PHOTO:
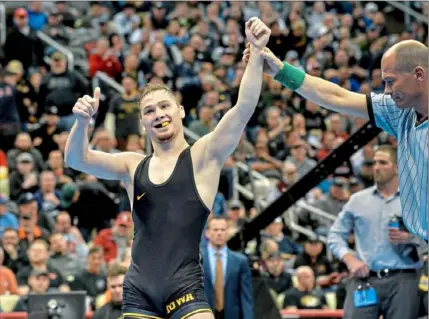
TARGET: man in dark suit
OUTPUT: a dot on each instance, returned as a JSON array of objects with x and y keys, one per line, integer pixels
[{"x": 227, "y": 275}]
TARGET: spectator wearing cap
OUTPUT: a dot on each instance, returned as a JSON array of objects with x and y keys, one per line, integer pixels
[
  {"x": 43, "y": 136},
  {"x": 277, "y": 278},
  {"x": 116, "y": 239},
  {"x": 236, "y": 213},
  {"x": 305, "y": 295},
  {"x": 287, "y": 247},
  {"x": 38, "y": 283},
  {"x": 38, "y": 256},
  {"x": 23, "y": 144},
  {"x": 331, "y": 203},
  {"x": 68, "y": 265},
  {"x": 8, "y": 284},
  {"x": 21, "y": 42},
  {"x": 26, "y": 93},
  {"x": 158, "y": 16},
  {"x": 31, "y": 224},
  {"x": 82, "y": 200},
  {"x": 25, "y": 178},
  {"x": 314, "y": 256},
  {"x": 61, "y": 88},
  {"x": 56, "y": 29},
  {"x": 16, "y": 70},
  {"x": 355, "y": 185},
  {"x": 7, "y": 219}
]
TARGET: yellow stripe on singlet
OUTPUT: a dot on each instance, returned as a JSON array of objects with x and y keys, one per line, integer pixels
[
  {"x": 138, "y": 315},
  {"x": 196, "y": 311}
]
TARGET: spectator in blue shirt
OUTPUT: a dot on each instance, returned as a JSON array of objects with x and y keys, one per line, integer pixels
[{"x": 7, "y": 219}]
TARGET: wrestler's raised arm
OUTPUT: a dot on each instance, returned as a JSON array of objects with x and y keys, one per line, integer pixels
[{"x": 224, "y": 139}]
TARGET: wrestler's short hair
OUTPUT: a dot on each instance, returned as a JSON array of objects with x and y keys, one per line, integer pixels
[{"x": 151, "y": 88}]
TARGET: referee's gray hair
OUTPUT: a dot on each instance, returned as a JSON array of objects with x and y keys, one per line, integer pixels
[{"x": 410, "y": 54}]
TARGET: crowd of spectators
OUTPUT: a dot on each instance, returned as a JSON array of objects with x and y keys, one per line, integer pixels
[{"x": 52, "y": 218}]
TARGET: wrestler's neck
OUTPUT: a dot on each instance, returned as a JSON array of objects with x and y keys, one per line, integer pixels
[{"x": 171, "y": 148}]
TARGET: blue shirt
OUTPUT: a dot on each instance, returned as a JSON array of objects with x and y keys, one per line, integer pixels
[
  {"x": 212, "y": 259},
  {"x": 412, "y": 158},
  {"x": 367, "y": 215},
  {"x": 8, "y": 220}
]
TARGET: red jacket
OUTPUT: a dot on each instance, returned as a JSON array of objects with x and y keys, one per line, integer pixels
[
  {"x": 105, "y": 240},
  {"x": 111, "y": 66}
]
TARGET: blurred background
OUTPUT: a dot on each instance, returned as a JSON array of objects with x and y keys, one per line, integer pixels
[{"x": 62, "y": 231}]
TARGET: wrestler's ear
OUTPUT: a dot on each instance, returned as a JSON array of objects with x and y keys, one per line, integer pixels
[
  {"x": 141, "y": 122},
  {"x": 182, "y": 111}
]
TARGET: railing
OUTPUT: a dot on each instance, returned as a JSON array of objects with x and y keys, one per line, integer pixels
[
  {"x": 2, "y": 24},
  {"x": 48, "y": 40},
  {"x": 314, "y": 210},
  {"x": 106, "y": 79},
  {"x": 408, "y": 11}
]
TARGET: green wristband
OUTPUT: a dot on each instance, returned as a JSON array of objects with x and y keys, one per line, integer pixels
[{"x": 290, "y": 76}]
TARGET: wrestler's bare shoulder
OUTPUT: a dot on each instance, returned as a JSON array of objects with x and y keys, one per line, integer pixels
[{"x": 132, "y": 160}]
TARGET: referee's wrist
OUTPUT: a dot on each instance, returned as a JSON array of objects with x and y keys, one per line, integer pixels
[{"x": 290, "y": 76}]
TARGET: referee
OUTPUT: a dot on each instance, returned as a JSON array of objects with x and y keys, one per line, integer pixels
[
  {"x": 387, "y": 261},
  {"x": 402, "y": 111}
]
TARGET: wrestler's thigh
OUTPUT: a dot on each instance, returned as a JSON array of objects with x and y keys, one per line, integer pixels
[{"x": 204, "y": 315}]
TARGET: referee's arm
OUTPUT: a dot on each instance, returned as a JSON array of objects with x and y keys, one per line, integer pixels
[
  {"x": 317, "y": 90},
  {"x": 333, "y": 97}
]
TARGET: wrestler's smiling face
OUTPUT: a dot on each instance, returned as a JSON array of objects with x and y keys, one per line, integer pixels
[{"x": 161, "y": 116}]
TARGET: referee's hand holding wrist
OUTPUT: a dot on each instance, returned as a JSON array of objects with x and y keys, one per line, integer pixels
[{"x": 272, "y": 64}]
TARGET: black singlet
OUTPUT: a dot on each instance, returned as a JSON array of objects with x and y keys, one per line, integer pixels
[{"x": 168, "y": 222}]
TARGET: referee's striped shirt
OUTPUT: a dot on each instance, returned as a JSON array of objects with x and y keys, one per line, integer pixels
[{"x": 412, "y": 158}]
